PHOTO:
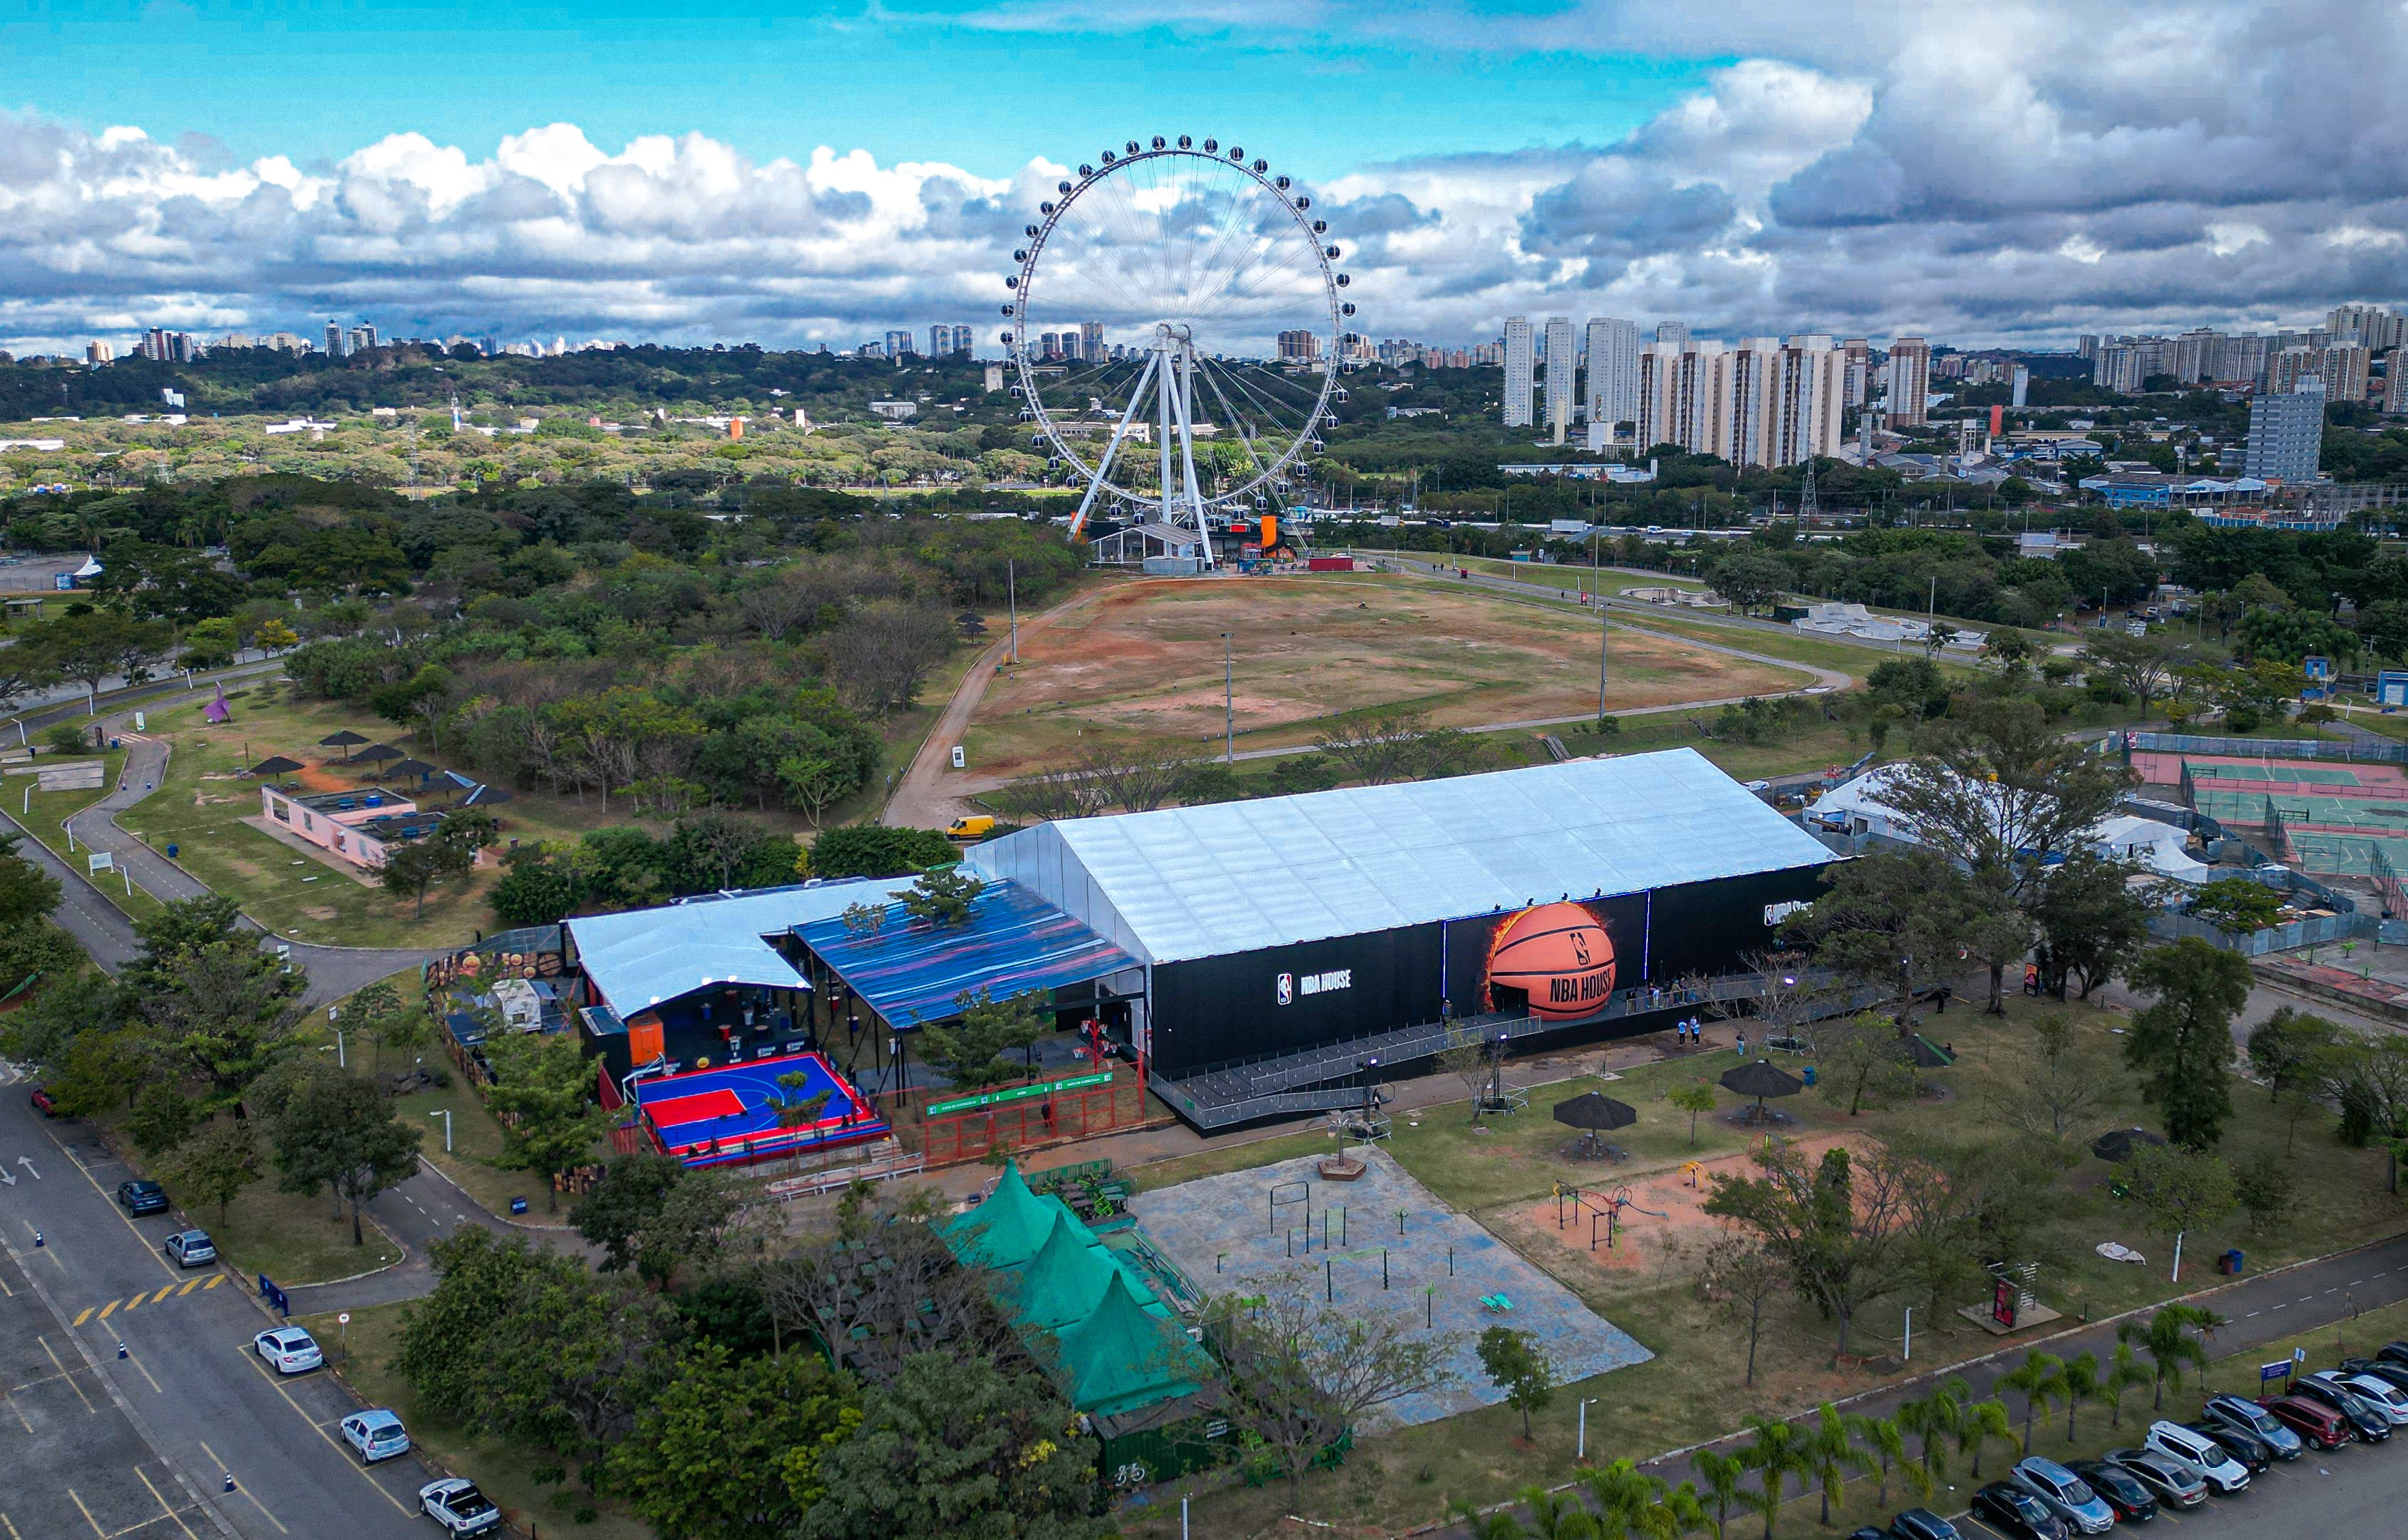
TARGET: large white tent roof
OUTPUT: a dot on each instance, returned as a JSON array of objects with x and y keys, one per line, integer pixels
[
  {"x": 1236, "y": 876},
  {"x": 648, "y": 955}
]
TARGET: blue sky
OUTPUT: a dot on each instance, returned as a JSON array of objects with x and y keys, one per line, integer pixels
[{"x": 315, "y": 81}]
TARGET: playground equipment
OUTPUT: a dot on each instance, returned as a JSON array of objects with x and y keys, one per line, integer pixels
[
  {"x": 1695, "y": 1172},
  {"x": 1607, "y": 1207}
]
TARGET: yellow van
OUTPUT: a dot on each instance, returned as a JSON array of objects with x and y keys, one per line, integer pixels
[{"x": 977, "y": 826}]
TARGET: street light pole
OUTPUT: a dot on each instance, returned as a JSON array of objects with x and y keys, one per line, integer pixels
[
  {"x": 1228, "y": 699},
  {"x": 1011, "y": 590},
  {"x": 445, "y": 1114}
]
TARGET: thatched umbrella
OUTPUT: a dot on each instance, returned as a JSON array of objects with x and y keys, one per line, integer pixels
[
  {"x": 342, "y": 741},
  {"x": 1761, "y": 1080},
  {"x": 2118, "y": 1145},
  {"x": 276, "y": 764},
  {"x": 419, "y": 767},
  {"x": 1592, "y": 1115},
  {"x": 378, "y": 753}
]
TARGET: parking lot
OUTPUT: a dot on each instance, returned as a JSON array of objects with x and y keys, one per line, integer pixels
[{"x": 2355, "y": 1490}]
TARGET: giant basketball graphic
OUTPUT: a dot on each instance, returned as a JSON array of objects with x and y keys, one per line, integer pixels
[{"x": 1557, "y": 953}]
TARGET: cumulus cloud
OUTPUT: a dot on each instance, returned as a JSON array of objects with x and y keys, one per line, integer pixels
[{"x": 2014, "y": 172}]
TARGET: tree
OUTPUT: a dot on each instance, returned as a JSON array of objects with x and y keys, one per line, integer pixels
[
  {"x": 876, "y": 850},
  {"x": 162, "y": 1116},
  {"x": 2183, "y": 1041},
  {"x": 1720, "y": 1473},
  {"x": 26, "y": 891},
  {"x": 1301, "y": 1374},
  {"x": 542, "y": 1093},
  {"x": 1138, "y": 779},
  {"x": 1466, "y": 1057},
  {"x": 2041, "y": 1377},
  {"x": 617, "y": 1209},
  {"x": 1376, "y": 749},
  {"x": 2264, "y": 1189},
  {"x": 731, "y": 1450},
  {"x": 960, "y": 1447},
  {"x": 1841, "y": 1226},
  {"x": 1881, "y": 1445},
  {"x": 2288, "y": 1048},
  {"x": 339, "y": 1132},
  {"x": 2166, "y": 1337},
  {"x": 1516, "y": 1365},
  {"x": 883, "y": 651},
  {"x": 970, "y": 1052},
  {"x": 216, "y": 1164},
  {"x": 2178, "y": 1189},
  {"x": 1890, "y": 922},
  {"x": 1981, "y": 1424},
  {"x": 2237, "y": 905},
  {"x": 1829, "y": 1450},
  {"x": 941, "y": 899},
  {"x": 1749, "y": 581},
  {"x": 222, "y": 1008},
  {"x": 2092, "y": 923},
  {"x": 2124, "y": 1376},
  {"x": 2139, "y": 665},
  {"x": 1695, "y": 1099},
  {"x": 1775, "y": 1451},
  {"x": 2062, "y": 1092},
  {"x": 1933, "y": 1419},
  {"x": 2084, "y": 1384},
  {"x": 1866, "y": 1061},
  {"x": 449, "y": 851}
]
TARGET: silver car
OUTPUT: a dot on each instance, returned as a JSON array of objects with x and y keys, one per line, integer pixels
[
  {"x": 2376, "y": 1391},
  {"x": 2064, "y": 1494},
  {"x": 2200, "y": 1457},
  {"x": 2252, "y": 1418}
]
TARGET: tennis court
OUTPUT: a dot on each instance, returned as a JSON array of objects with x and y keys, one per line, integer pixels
[{"x": 737, "y": 1113}]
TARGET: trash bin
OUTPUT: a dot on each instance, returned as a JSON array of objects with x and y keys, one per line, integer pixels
[
  {"x": 171, "y": 853},
  {"x": 2232, "y": 1261},
  {"x": 518, "y": 1205},
  {"x": 1810, "y": 1074}
]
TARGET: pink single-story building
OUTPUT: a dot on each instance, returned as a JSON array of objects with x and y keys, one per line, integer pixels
[{"x": 357, "y": 826}]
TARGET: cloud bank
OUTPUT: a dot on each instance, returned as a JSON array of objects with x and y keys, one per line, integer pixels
[{"x": 2017, "y": 173}]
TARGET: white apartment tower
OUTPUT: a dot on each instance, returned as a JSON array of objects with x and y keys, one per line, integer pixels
[
  {"x": 1762, "y": 402},
  {"x": 1563, "y": 360},
  {"x": 1613, "y": 372},
  {"x": 1517, "y": 372}
]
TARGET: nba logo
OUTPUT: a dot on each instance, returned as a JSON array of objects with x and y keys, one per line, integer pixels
[{"x": 1286, "y": 988}]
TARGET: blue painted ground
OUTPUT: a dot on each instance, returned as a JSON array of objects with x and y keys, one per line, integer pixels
[{"x": 1228, "y": 1220}]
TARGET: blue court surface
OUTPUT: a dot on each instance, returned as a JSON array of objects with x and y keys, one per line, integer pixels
[
  {"x": 730, "y": 1115},
  {"x": 1283, "y": 1227}
]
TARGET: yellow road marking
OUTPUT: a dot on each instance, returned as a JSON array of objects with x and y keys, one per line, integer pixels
[
  {"x": 215, "y": 1279},
  {"x": 163, "y": 1293},
  {"x": 332, "y": 1442},
  {"x": 84, "y": 1316},
  {"x": 106, "y": 1309},
  {"x": 69, "y": 1378},
  {"x": 190, "y": 1284},
  {"x": 136, "y": 1303},
  {"x": 224, "y": 1470},
  {"x": 162, "y": 1505},
  {"x": 87, "y": 1514}
]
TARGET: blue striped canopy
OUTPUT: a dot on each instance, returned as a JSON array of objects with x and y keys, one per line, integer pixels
[{"x": 912, "y": 972}]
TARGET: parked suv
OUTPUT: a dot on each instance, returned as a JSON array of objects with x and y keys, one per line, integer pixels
[
  {"x": 2233, "y": 1410},
  {"x": 2315, "y": 1421},
  {"x": 2376, "y": 1391},
  {"x": 142, "y": 1196},
  {"x": 2065, "y": 1494},
  {"x": 2203, "y": 1457}
]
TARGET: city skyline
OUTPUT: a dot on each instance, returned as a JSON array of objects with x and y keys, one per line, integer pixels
[{"x": 1975, "y": 180}]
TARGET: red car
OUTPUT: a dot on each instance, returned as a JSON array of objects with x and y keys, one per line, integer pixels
[
  {"x": 42, "y": 1104},
  {"x": 2312, "y": 1421}
]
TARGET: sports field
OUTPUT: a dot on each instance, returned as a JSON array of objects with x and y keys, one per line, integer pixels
[{"x": 1144, "y": 663}]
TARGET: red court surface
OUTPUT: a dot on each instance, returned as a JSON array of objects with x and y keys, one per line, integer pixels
[{"x": 731, "y": 1115}]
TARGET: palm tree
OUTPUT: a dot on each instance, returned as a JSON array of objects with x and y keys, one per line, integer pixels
[
  {"x": 1827, "y": 1451},
  {"x": 1934, "y": 1419},
  {"x": 1621, "y": 1491},
  {"x": 2124, "y": 1376},
  {"x": 1882, "y": 1442},
  {"x": 2041, "y": 1377},
  {"x": 1983, "y": 1421},
  {"x": 1777, "y": 1452},
  {"x": 2166, "y": 1338},
  {"x": 1556, "y": 1516},
  {"x": 1682, "y": 1510},
  {"x": 1720, "y": 1473},
  {"x": 2083, "y": 1382},
  {"x": 1492, "y": 1526}
]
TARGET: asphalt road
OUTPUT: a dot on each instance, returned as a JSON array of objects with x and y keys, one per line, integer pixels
[{"x": 140, "y": 1446}]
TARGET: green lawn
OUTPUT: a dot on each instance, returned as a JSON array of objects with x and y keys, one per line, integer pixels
[
  {"x": 294, "y": 1239},
  {"x": 363, "y": 1354},
  {"x": 45, "y": 814},
  {"x": 1692, "y": 1390}
]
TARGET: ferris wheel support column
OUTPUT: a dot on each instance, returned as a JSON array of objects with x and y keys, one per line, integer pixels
[
  {"x": 1113, "y": 447},
  {"x": 1187, "y": 449},
  {"x": 1163, "y": 384}
]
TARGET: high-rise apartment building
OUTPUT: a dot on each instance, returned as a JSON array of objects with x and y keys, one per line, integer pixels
[
  {"x": 2019, "y": 386},
  {"x": 900, "y": 345},
  {"x": 941, "y": 340},
  {"x": 1091, "y": 341},
  {"x": 335, "y": 344},
  {"x": 1762, "y": 402},
  {"x": 1302, "y": 346},
  {"x": 2370, "y": 327},
  {"x": 1518, "y": 362},
  {"x": 1613, "y": 371},
  {"x": 1563, "y": 363},
  {"x": 2395, "y": 381},
  {"x": 97, "y": 352},
  {"x": 1910, "y": 380},
  {"x": 1674, "y": 332},
  {"x": 2287, "y": 433},
  {"x": 2342, "y": 366},
  {"x": 1859, "y": 354}
]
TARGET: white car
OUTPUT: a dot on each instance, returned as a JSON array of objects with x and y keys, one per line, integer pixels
[
  {"x": 459, "y": 1506},
  {"x": 2379, "y": 1393},
  {"x": 374, "y": 1434},
  {"x": 2200, "y": 1457},
  {"x": 292, "y": 1350}
]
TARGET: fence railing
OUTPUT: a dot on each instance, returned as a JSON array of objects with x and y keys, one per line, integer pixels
[
  {"x": 2346, "y": 750},
  {"x": 2317, "y": 930}
]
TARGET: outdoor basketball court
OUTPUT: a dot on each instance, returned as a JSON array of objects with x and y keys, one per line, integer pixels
[
  {"x": 1284, "y": 1228},
  {"x": 730, "y": 1115}
]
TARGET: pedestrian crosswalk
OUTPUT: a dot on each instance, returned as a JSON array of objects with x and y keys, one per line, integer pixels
[{"x": 136, "y": 1302}]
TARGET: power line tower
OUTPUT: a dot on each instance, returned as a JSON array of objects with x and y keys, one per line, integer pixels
[{"x": 1806, "y": 496}]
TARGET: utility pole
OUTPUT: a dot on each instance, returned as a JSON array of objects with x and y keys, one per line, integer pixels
[
  {"x": 1012, "y": 591},
  {"x": 1600, "y": 660},
  {"x": 1228, "y": 699}
]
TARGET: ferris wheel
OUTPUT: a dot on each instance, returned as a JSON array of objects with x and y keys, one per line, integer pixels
[{"x": 1175, "y": 324}]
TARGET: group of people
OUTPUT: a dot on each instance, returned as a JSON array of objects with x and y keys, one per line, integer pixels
[{"x": 1689, "y": 1033}]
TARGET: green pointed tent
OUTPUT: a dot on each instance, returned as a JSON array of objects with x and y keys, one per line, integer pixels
[
  {"x": 1006, "y": 1230},
  {"x": 1120, "y": 1357},
  {"x": 1065, "y": 1281}
]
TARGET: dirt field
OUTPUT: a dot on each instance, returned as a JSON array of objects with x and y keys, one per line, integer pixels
[{"x": 1144, "y": 662}]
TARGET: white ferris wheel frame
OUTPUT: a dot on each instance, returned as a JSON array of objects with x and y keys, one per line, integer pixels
[{"x": 1173, "y": 359}]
